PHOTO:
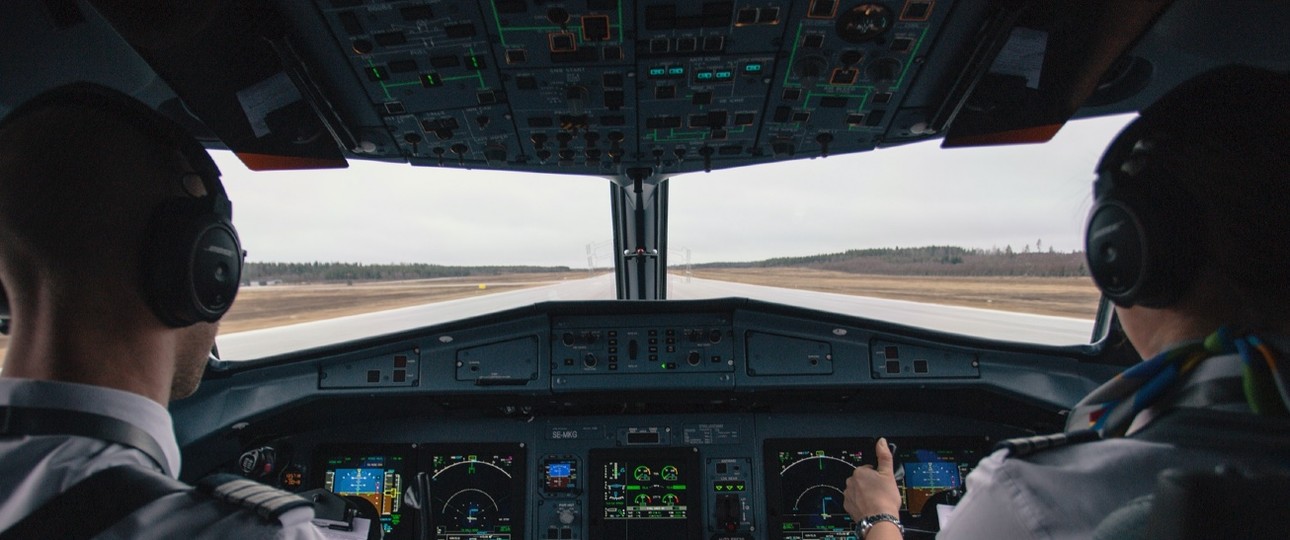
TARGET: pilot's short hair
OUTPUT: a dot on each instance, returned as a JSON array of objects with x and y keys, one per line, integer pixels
[
  {"x": 1222, "y": 138},
  {"x": 73, "y": 189}
]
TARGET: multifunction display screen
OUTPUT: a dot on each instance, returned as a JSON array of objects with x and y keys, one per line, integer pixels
[
  {"x": 560, "y": 475},
  {"x": 476, "y": 491},
  {"x": 931, "y": 473},
  {"x": 434, "y": 491},
  {"x": 378, "y": 475},
  {"x": 645, "y": 494},
  {"x": 806, "y": 482}
]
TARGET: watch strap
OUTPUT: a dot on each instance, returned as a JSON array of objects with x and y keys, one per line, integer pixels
[{"x": 863, "y": 526}]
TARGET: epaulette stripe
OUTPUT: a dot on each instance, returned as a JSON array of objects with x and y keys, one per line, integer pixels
[
  {"x": 236, "y": 496},
  {"x": 1024, "y": 446},
  {"x": 281, "y": 499},
  {"x": 280, "y": 505},
  {"x": 260, "y": 497},
  {"x": 267, "y": 502},
  {"x": 248, "y": 492},
  {"x": 234, "y": 489}
]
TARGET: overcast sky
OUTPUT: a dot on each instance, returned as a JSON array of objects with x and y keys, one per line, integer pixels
[{"x": 911, "y": 195}]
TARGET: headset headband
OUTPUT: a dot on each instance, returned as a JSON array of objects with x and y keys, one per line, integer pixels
[
  {"x": 192, "y": 258},
  {"x": 134, "y": 113}
]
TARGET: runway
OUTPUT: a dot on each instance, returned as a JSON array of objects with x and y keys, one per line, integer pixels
[
  {"x": 993, "y": 324},
  {"x": 969, "y": 321}
]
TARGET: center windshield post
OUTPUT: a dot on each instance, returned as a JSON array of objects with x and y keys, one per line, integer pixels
[{"x": 640, "y": 234}]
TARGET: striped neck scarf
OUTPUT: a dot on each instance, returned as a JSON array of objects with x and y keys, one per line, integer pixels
[{"x": 1111, "y": 408}]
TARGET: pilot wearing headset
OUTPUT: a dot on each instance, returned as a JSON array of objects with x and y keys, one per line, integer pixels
[
  {"x": 117, "y": 258},
  {"x": 1187, "y": 236}
]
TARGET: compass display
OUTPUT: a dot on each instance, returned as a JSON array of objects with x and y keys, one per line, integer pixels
[
  {"x": 806, "y": 480},
  {"x": 476, "y": 491},
  {"x": 645, "y": 493}
]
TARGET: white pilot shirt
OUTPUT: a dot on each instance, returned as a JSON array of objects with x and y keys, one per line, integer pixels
[
  {"x": 33, "y": 469},
  {"x": 1067, "y": 492}
]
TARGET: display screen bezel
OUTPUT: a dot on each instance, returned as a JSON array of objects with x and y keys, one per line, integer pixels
[
  {"x": 689, "y": 528},
  {"x": 518, "y": 487},
  {"x": 405, "y": 526},
  {"x": 773, "y": 487},
  {"x": 969, "y": 448}
]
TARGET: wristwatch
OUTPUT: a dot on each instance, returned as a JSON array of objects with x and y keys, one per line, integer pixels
[{"x": 862, "y": 528}]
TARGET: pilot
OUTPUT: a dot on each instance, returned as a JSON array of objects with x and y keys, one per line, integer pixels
[
  {"x": 1187, "y": 238},
  {"x": 117, "y": 259}
]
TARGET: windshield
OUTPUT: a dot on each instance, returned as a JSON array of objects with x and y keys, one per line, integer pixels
[
  {"x": 899, "y": 234},
  {"x": 978, "y": 241}
]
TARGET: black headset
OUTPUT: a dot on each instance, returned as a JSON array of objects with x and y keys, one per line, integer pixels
[
  {"x": 192, "y": 258},
  {"x": 1143, "y": 235}
]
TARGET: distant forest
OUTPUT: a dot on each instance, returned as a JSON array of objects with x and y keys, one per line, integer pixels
[
  {"x": 933, "y": 261},
  {"x": 914, "y": 261},
  {"x": 264, "y": 273}
]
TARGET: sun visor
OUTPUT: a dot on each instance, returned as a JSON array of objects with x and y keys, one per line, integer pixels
[
  {"x": 234, "y": 68},
  {"x": 1046, "y": 62}
]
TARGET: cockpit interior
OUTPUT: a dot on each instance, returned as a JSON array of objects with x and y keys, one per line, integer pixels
[{"x": 644, "y": 416}]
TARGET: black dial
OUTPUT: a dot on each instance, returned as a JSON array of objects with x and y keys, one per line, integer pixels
[{"x": 864, "y": 22}]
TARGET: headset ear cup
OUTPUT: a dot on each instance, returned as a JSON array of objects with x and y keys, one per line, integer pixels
[
  {"x": 216, "y": 268},
  {"x": 1115, "y": 244},
  {"x": 192, "y": 263},
  {"x": 1137, "y": 249}
]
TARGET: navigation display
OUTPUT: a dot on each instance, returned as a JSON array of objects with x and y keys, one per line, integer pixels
[
  {"x": 378, "y": 475},
  {"x": 476, "y": 491},
  {"x": 645, "y": 493},
  {"x": 806, "y": 481}
]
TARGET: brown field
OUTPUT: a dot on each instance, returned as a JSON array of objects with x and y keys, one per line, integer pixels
[
  {"x": 279, "y": 305},
  {"x": 1061, "y": 296},
  {"x": 265, "y": 307}
]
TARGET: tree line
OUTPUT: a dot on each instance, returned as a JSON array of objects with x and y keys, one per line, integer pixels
[
  {"x": 267, "y": 272},
  {"x": 933, "y": 261}
]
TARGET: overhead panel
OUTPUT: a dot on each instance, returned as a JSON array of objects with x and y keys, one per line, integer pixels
[{"x": 595, "y": 87}]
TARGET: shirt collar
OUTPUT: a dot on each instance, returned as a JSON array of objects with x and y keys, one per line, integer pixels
[{"x": 129, "y": 407}]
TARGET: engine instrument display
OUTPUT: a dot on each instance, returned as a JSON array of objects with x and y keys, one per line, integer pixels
[
  {"x": 645, "y": 493},
  {"x": 377, "y": 475},
  {"x": 476, "y": 491}
]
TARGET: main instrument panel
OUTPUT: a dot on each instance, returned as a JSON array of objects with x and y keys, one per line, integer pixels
[
  {"x": 611, "y": 478},
  {"x": 696, "y": 420}
]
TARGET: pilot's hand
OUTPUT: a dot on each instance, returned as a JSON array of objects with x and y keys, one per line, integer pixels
[{"x": 873, "y": 491}]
